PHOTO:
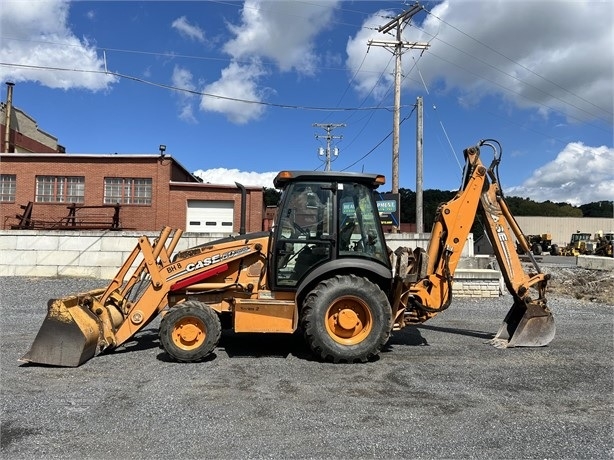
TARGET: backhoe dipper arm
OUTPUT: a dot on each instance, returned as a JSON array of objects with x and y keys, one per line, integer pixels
[
  {"x": 529, "y": 322},
  {"x": 502, "y": 230}
]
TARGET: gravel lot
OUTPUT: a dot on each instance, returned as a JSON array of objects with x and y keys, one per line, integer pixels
[{"x": 437, "y": 391}]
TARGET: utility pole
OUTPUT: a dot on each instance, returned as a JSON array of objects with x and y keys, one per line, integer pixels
[
  {"x": 398, "y": 47},
  {"x": 419, "y": 168},
  {"x": 329, "y": 137}
]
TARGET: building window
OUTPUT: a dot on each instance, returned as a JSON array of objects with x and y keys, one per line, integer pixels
[
  {"x": 8, "y": 184},
  {"x": 56, "y": 189},
  {"x": 124, "y": 190}
]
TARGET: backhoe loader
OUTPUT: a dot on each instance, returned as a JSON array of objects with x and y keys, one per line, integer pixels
[{"x": 323, "y": 269}]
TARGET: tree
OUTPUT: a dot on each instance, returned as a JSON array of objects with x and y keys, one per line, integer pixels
[
  {"x": 271, "y": 197},
  {"x": 597, "y": 209},
  {"x": 527, "y": 207}
]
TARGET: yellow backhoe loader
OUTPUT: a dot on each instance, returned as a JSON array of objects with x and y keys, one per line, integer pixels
[{"x": 323, "y": 268}]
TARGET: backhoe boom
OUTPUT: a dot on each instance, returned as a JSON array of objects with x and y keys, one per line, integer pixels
[{"x": 426, "y": 276}]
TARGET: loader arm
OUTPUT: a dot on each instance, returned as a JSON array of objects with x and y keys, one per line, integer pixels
[
  {"x": 79, "y": 326},
  {"x": 424, "y": 278}
]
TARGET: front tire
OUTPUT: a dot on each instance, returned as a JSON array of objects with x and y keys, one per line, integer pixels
[
  {"x": 346, "y": 319},
  {"x": 190, "y": 331}
]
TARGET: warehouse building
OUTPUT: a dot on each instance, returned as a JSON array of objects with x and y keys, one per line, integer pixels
[{"x": 559, "y": 228}]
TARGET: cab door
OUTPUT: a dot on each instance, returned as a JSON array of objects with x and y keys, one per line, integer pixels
[{"x": 304, "y": 236}]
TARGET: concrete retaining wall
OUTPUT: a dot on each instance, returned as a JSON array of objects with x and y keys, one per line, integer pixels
[
  {"x": 89, "y": 254},
  {"x": 595, "y": 262},
  {"x": 473, "y": 282},
  {"x": 98, "y": 254}
]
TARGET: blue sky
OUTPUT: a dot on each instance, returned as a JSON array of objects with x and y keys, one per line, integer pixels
[{"x": 536, "y": 75}]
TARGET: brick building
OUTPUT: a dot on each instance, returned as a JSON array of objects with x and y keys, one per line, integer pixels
[{"x": 152, "y": 191}]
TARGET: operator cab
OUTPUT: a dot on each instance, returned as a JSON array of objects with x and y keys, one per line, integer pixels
[{"x": 323, "y": 217}]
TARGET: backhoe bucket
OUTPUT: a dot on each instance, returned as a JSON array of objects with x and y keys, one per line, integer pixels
[
  {"x": 526, "y": 325},
  {"x": 68, "y": 336}
]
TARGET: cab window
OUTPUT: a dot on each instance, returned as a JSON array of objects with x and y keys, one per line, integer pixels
[
  {"x": 359, "y": 225},
  {"x": 305, "y": 233}
]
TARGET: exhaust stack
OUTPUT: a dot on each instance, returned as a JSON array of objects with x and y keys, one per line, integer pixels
[{"x": 7, "y": 122}]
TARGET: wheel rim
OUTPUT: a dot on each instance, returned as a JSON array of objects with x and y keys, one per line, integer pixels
[
  {"x": 349, "y": 320},
  {"x": 189, "y": 333}
]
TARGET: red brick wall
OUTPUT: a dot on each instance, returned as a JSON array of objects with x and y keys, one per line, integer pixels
[{"x": 168, "y": 201}]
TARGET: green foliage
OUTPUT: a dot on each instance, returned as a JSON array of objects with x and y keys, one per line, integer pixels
[
  {"x": 518, "y": 206},
  {"x": 527, "y": 207},
  {"x": 597, "y": 209},
  {"x": 431, "y": 199},
  {"x": 271, "y": 197}
]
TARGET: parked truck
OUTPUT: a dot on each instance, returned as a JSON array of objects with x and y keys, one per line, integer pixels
[
  {"x": 604, "y": 244},
  {"x": 540, "y": 244}
]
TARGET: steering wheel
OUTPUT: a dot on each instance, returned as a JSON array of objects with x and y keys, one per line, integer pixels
[{"x": 301, "y": 230}]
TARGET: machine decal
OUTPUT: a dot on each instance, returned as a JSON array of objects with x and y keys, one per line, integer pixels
[
  {"x": 503, "y": 240},
  {"x": 211, "y": 261}
]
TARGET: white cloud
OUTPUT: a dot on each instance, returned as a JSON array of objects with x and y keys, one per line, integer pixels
[
  {"x": 40, "y": 36},
  {"x": 375, "y": 69},
  {"x": 230, "y": 176},
  {"x": 565, "y": 179},
  {"x": 548, "y": 56},
  {"x": 282, "y": 32},
  {"x": 239, "y": 82},
  {"x": 182, "y": 78},
  {"x": 188, "y": 30}
]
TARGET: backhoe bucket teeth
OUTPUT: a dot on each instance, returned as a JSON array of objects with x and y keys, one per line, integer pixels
[
  {"x": 526, "y": 325},
  {"x": 68, "y": 336}
]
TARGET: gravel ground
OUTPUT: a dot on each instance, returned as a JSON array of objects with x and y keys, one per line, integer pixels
[
  {"x": 580, "y": 283},
  {"x": 437, "y": 391}
]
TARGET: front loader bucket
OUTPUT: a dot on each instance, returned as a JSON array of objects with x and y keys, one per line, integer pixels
[
  {"x": 527, "y": 324},
  {"x": 68, "y": 336}
]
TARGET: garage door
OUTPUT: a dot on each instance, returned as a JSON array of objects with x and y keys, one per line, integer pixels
[{"x": 210, "y": 216}]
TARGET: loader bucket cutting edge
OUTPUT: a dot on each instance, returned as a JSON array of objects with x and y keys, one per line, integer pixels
[
  {"x": 68, "y": 336},
  {"x": 526, "y": 325}
]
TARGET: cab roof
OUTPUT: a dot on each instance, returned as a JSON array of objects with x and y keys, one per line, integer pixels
[{"x": 284, "y": 178}]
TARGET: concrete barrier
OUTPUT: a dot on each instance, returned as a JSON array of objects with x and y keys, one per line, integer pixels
[
  {"x": 98, "y": 254},
  {"x": 595, "y": 262},
  {"x": 89, "y": 254}
]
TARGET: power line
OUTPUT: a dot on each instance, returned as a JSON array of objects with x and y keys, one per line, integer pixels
[
  {"x": 199, "y": 93},
  {"x": 506, "y": 89},
  {"x": 520, "y": 65},
  {"x": 379, "y": 143}
]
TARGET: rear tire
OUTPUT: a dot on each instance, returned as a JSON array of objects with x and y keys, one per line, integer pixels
[
  {"x": 190, "y": 331},
  {"x": 346, "y": 319}
]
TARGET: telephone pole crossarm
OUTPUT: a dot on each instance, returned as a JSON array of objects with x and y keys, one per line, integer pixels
[
  {"x": 404, "y": 16},
  {"x": 329, "y": 137},
  {"x": 390, "y": 44}
]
